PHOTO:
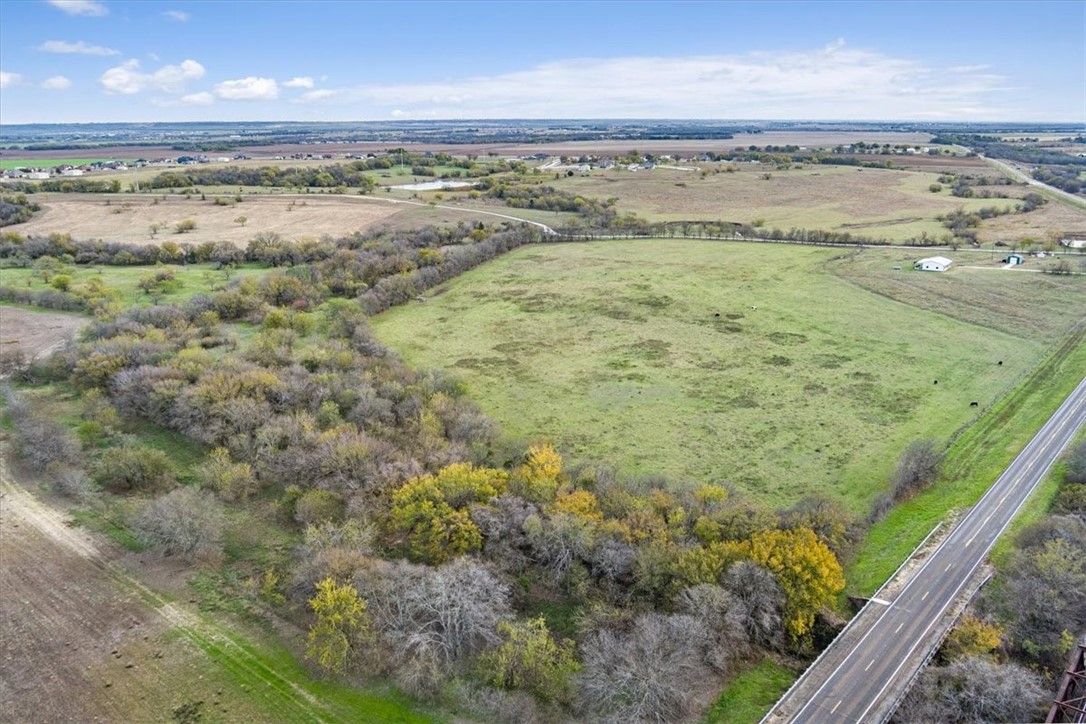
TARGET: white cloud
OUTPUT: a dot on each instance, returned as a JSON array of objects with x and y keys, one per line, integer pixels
[
  {"x": 9, "y": 79},
  {"x": 81, "y": 7},
  {"x": 248, "y": 89},
  {"x": 128, "y": 79},
  {"x": 832, "y": 82},
  {"x": 178, "y": 16},
  {"x": 317, "y": 95},
  {"x": 193, "y": 99},
  {"x": 77, "y": 48},
  {"x": 299, "y": 82},
  {"x": 57, "y": 82},
  {"x": 198, "y": 99}
]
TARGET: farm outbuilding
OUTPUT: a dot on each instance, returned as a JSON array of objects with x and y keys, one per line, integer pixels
[
  {"x": 933, "y": 263},
  {"x": 1013, "y": 259}
]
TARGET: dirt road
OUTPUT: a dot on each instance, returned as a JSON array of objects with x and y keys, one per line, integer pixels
[{"x": 81, "y": 639}]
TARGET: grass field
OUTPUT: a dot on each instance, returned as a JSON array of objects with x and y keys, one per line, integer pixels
[
  {"x": 124, "y": 280},
  {"x": 616, "y": 351},
  {"x": 880, "y": 203},
  {"x": 52, "y": 162}
]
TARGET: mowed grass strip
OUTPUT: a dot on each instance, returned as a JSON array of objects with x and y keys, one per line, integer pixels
[{"x": 730, "y": 363}]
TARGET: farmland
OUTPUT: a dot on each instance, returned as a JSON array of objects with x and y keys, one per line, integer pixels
[
  {"x": 880, "y": 203},
  {"x": 749, "y": 365},
  {"x": 87, "y": 619},
  {"x": 782, "y": 372}
]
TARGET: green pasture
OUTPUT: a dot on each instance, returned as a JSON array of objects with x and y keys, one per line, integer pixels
[
  {"x": 124, "y": 280},
  {"x": 8, "y": 163},
  {"x": 749, "y": 365}
]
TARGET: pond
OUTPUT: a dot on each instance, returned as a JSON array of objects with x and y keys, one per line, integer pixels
[{"x": 434, "y": 185}]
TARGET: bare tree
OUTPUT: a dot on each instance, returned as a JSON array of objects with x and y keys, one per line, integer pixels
[
  {"x": 434, "y": 618},
  {"x": 762, "y": 598},
  {"x": 186, "y": 522},
  {"x": 40, "y": 441},
  {"x": 916, "y": 468},
  {"x": 724, "y": 618},
  {"x": 1075, "y": 460},
  {"x": 975, "y": 690},
  {"x": 652, "y": 673},
  {"x": 558, "y": 541}
]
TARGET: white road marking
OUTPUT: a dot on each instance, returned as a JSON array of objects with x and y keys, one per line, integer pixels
[
  {"x": 869, "y": 665},
  {"x": 836, "y": 705},
  {"x": 899, "y": 627},
  {"x": 925, "y": 596}
]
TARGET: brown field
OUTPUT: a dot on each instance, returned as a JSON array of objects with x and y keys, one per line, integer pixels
[
  {"x": 872, "y": 202},
  {"x": 78, "y": 638},
  {"x": 128, "y": 218},
  {"x": 1045, "y": 224},
  {"x": 29, "y": 334}
]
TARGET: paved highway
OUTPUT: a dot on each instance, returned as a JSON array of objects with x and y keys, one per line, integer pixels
[{"x": 867, "y": 681}]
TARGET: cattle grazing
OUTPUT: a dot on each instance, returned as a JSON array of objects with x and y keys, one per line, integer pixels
[{"x": 973, "y": 404}]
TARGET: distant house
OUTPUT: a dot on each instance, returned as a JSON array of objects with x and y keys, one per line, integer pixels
[
  {"x": 72, "y": 172},
  {"x": 1014, "y": 259},
  {"x": 1074, "y": 243},
  {"x": 933, "y": 263}
]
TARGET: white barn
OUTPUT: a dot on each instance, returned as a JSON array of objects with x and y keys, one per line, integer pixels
[{"x": 933, "y": 263}]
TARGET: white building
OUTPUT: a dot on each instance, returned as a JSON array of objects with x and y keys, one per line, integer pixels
[{"x": 933, "y": 263}]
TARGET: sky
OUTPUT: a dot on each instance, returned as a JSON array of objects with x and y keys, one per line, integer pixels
[{"x": 66, "y": 61}]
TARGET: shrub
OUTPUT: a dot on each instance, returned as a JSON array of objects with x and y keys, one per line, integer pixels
[
  {"x": 917, "y": 468},
  {"x": 187, "y": 522},
  {"x": 319, "y": 506},
  {"x": 529, "y": 658},
  {"x": 233, "y": 481},
  {"x": 134, "y": 468},
  {"x": 1076, "y": 464}
]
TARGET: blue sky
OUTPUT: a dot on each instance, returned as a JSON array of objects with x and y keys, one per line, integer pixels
[{"x": 108, "y": 60}]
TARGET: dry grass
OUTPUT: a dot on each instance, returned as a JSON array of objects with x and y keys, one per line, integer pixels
[
  {"x": 128, "y": 218},
  {"x": 873, "y": 202},
  {"x": 1051, "y": 220}
]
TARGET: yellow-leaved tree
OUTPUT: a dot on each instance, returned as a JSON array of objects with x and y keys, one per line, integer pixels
[
  {"x": 538, "y": 478},
  {"x": 342, "y": 624},
  {"x": 807, "y": 570},
  {"x": 433, "y": 510}
]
